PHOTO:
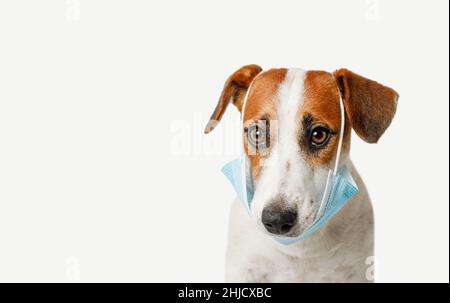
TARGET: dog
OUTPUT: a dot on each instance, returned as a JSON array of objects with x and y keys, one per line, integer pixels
[{"x": 289, "y": 162}]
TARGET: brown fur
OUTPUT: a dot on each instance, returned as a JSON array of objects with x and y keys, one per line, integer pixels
[
  {"x": 321, "y": 101},
  {"x": 262, "y": 103},
  {"x": 234, "y": 89},
  {"x": 370, "y": 105}
]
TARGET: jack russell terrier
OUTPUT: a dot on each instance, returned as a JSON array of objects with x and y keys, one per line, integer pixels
[{"x": 300, "y": 224}]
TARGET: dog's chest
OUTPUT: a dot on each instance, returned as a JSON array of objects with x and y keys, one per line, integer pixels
[{"x": 290, "y": 269}]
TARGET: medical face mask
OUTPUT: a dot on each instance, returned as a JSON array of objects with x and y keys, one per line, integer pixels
[{"x": 339, "y": 188}]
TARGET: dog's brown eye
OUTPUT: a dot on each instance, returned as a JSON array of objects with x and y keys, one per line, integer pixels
[
  {"x": 258, "y": 135},
  {"x": 319, "y": 136}
]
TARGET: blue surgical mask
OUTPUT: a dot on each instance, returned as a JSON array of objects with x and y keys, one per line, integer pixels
[
  {"x": 339, "y": 189},
  {"x": 242, "y": 181}
]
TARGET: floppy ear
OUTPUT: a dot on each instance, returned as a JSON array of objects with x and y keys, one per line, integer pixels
[
  {"x": 370, "y": 106},
  {"x": 234, "y": 90}
]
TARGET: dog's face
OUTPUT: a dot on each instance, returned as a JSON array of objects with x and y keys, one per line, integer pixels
[{"x": 291, "y": 131}]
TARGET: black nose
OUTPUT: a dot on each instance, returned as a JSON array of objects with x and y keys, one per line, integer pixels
[{"x": 278, "y": 221}]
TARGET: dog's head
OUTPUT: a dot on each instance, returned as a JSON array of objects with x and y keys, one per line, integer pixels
[{"x": 291, "y": 130}]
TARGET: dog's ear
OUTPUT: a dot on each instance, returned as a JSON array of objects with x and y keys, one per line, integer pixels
[
  {"x": 234, "y": 91},
  {"x": 370, "y": 106}
]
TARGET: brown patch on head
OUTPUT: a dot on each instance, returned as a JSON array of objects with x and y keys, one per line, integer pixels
[
  {"x": 321, "y": 108},
  {"x": 369, "y": 109},
  {"x": 262, "y": 105}
]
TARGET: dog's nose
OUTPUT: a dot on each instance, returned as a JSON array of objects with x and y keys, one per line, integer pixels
[{"x": 278, "y": 221}]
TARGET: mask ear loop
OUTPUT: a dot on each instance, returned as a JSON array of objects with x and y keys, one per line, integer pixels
[
  {"x": 241, "y": 133},
  {"x": 341, "y": 135},
  {"x": 336, "y": 164}
]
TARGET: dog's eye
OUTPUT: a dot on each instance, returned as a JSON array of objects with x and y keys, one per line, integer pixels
[
  {"x": 258, "y": 135},
  {"x": 319, "y": 136}
]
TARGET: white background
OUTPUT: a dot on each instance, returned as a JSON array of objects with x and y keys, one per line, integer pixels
[{"x": 105, "y": 174}]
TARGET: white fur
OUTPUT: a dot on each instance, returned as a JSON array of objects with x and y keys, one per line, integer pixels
[{"x": 337, "y": 252}]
